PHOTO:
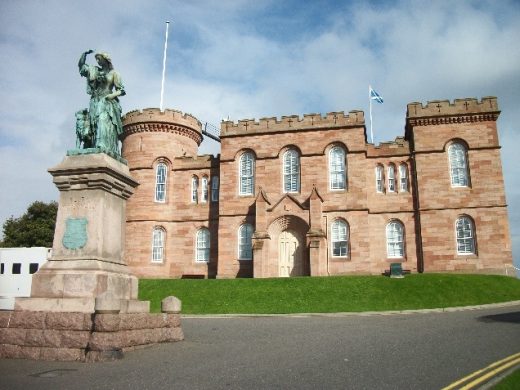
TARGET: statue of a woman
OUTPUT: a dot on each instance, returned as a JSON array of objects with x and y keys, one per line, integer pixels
[{"x": 104, "y": 85}]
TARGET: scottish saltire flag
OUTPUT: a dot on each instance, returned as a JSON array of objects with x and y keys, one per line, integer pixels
[{"x": 375, "y": 96}]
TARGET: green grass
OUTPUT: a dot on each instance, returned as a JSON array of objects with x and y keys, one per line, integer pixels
[
  {"x": 329, "y": 294},
  {"x": 510, "y": 382}
]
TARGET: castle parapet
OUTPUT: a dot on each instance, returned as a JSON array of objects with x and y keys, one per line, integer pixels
[
  {"x": 399, "y": 147},
  {"x": 460, "y": 111},
  {"x": 292, "y": 123}
]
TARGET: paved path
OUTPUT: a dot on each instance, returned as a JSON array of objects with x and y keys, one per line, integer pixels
[{"x": 399, "y": 351}]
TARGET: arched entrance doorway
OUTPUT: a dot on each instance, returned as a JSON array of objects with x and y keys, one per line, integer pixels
[{"x": 290, "y": 254}]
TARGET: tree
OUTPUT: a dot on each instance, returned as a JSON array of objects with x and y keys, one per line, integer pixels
[{"x": 34, "y": 228}]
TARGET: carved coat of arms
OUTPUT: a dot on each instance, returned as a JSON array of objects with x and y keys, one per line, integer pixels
[{"x": 75, "y": 236}]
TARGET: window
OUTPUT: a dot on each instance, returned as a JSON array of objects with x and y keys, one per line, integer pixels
[
  {"x": 339, "y": 241},
  {"x": 337, "y": 172},
  {"x": 202, "y": 251},
  {"x": 17, "y": 268},
  {"x": 391, "y": 178},
  {"x": 160, "y": 182},
  {"x": 245, "y": 245},
  {"x": 458, "y": 165},
  {"x": 2, "y": 268},
  {"x": 403, "y": 178},
  {"x": 158, "y": 245},
  {"x": 214, "y": 189},
  {"x": 291, "y": 171},
  {"x": 395, "y": 239},
  {"x": 33, "y": 268},
  {"x": 247, "y": 174},
  {"x": 204, "y": 194},
  {"x": 465, "y": 236},
  {"x": 379, "y": 178},
  {"x": 194, "y": 189}
]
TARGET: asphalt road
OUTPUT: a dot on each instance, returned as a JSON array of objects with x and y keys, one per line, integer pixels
[{"x": 399, "y": 351}]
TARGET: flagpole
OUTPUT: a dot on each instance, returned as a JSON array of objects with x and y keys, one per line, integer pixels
[
  {"x": 370, "y": 103},
  {"x": 164, "y": 65}
]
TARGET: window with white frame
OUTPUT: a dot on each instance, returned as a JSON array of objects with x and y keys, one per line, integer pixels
[
  {"x": 391, "y": 178},
  {"x": 160, "y": 182},
  {"x": 245, "y": 244},
  {"x": 194, "y": 189},
  {"x": 458, "y": 165},
  {"x": 380, "y": 180},
  {"x": 339, "y": 242},
  {"x": 465, "y": 231},
  {"x": 204, "y": 192},
  {"x": 203, "y": 245},
  {"x": 403, "y": 177},
  {"x": 395, "y": 240},
  {"x": 337, "y": 171},
  {"x": 247, "y": 174},
  {"x": 291, "y": 171},
  {"x": 158, "y": 245},
  {"x": 214, "y": 188}
]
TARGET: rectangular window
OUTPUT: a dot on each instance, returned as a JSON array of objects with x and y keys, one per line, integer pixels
[
  {"x": 214, "y": 189},
  {"x": 33, "y": 268},
  {"x": 2, "y": 268},
  {"x": 379, "y": 179},
  {"x": 204, "y": 195},
  {"x": 17, "y": 268},
  {"x": 391, "y": 178}
]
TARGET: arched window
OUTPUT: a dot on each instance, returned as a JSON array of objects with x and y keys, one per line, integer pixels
[
  {"x": 203, "y": 245},
  {"x": 391, "y": 178},
  {"x": 339, "y": 242},
  {"x": 245, "y": 245},
  {"x": 194, "y": 189},
  {"x": 291, "y": 171},
  {"x": 465, "y": 231},
  {"x": 403, "y": 177},
  {"x": 380, "y": 179},
  {"x": 458, "y": 165},
  {"x": 395, "y": 239},
  {"x": 158, "y": 245},
  {"x": 204, "y": 192},
  {"x": 247, "y": 174},
  {"x": 214, "y": 189},
  {"x": 337, "y": 171},
  {"x": 160, "y": 182}
]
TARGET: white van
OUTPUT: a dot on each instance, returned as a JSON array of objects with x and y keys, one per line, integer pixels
[{"x": 17, "y": 265}]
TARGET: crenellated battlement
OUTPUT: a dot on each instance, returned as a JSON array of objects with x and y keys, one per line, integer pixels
[
  {"x": 461, "y": 110},
  {"x": 398, "y": 147},
  {"x": 292, "y": 123},
  {"x": 150, "y": 115}
]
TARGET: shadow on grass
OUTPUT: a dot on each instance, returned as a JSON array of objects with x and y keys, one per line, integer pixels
[{"x": 513, "y": 317}]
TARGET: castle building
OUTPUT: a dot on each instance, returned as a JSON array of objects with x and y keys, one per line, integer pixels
[{"x": 310, "y": 196}]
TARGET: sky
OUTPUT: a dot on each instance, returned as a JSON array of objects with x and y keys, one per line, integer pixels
[{"x": 243, "y": 59}]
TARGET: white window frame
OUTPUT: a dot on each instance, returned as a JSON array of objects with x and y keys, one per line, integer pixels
[
  {"x": 380, "y": 178},
  {"x": 245, "y": 243},
  {"x": 395, "y": 240},
  {"x": 204, "y": 190},
  {"x": 161, "y": 173},
  {"x": 214, "y": 188},
  {"x": 403, "y": 177},
  {"x": 391, "y": 178},
  {"x": 337, "y": 169},
  {"x": 458, "y": 162},
  {"x": 291, "y": 171},
  {"x": 202, "y": 246},
  {"x": 465, "y": 236},
  {"x": 339, "y": 233},
  {"x": 158, "y": 240},
  {"x": 194, "y": 189},
  {"x": 246, "y": 174}
]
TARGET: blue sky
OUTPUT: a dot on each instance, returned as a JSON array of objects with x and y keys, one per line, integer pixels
[{"x": 249, "y": 59}]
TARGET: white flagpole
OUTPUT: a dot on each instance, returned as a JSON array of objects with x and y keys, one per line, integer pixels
[
  {"x": 370, "y": 100},
  {"x": 164, "y": 65}
]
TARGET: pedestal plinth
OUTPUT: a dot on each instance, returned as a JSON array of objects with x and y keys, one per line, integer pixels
[{"x": 88, "y": 249}]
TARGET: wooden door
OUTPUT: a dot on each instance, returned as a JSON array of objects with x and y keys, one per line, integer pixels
[{"x": 289, "y": 254}]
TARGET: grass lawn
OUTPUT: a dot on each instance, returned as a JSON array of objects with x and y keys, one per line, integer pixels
[
  {"x": 511, "y": 382},
  {"x": 329, "y": 294}
]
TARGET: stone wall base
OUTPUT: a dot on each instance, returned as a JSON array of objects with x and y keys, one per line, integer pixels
[{"x": 83, "y": 337}]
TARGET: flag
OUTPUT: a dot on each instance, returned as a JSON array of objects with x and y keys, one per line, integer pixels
[{"x": 375, "y": 96}]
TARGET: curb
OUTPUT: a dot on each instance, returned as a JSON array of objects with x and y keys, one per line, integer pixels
[{"x": 361, "y": 314}]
